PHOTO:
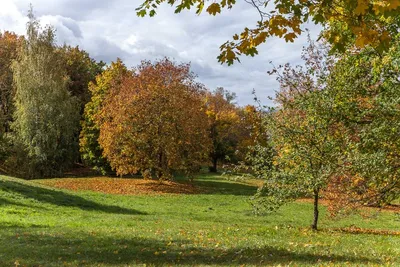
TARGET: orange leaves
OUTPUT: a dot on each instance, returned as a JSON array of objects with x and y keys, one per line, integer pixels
[
  {"x": 122, "y": 186},
  {"x": 9, "y": 43},
  {"x": 358, "y": 230},
  {"x": 153, "y": 121},
  {"x": 105, "y": 84}
]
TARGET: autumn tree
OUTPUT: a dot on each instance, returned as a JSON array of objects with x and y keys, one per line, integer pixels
[
  {"x": 254, "y": 149},
  {"x": 9, "y": 43},
  {"x": 155, "y": 123},
  {"x": 46, "y": 115},
  {"x": 223, "y": 121},
  {"x": 359, "y": 22},
  {"x": 110, "y": 79}
]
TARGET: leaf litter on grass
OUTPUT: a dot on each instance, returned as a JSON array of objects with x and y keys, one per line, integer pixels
[{"x": 123, "y": 186}]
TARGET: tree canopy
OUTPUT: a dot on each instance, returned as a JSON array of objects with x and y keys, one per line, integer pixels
[
  {"x": 334, "y": 131},
  {"x": 46, "y": 115},
  {"x": 9, "y": 45},
  {"x": 110, "y": 79},
  {"x": 154, "y": 122},
  {"x": 359, "y": 22}
]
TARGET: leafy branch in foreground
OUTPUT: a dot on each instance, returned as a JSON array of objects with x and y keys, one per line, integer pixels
[{"x": 359, "y": 22}]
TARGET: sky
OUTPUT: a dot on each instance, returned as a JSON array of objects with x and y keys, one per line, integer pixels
[{"x": 110, "y": 29}]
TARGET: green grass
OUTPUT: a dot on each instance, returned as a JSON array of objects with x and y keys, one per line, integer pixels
[{"x": 41, "y": 226}]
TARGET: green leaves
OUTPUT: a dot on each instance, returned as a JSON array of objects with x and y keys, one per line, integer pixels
[
  {"x": 92, "y": 153},
  {"x": 46, "y": 115}
]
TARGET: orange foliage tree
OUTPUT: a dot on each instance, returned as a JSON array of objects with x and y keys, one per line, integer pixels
[
  {"x": 223, "y": 119},
  {"x": 155, "y": 123},
  {"x": 9, "y": 43},
  {"x": 109, "y": 79}
]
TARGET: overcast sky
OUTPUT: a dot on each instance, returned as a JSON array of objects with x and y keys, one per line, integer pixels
[{"x": 110, "y": 29}]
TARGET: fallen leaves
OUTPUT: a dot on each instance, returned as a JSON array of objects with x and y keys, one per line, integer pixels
[
  {"x": 123, "y": 186},
  {"x": 358, "y": 230}
]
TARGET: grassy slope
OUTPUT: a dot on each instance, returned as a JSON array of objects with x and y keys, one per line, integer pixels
[{"x": 43, "y": 226}]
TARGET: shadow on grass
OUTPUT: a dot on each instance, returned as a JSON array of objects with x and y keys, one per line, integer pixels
[
  {"x": 225, "y": 187},
  {"x": 55, "y": 249},
  {"x": 7, "y": 202},
  {"x": 13, "y": 225},
  {"x": 60, "y": 198}
]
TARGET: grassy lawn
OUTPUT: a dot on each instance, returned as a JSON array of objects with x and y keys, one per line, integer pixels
[{"x": 44, "y": 226}]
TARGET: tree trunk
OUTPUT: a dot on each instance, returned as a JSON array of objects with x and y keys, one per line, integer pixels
[
  {"x": 213, "y": 168},
  {"x": 316, "y": 212}
]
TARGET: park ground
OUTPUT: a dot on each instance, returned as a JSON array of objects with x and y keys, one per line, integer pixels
[{"x": 105, "y": 221}]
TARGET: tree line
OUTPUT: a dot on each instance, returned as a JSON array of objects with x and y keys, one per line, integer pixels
[{"x": 60, "y": 107}]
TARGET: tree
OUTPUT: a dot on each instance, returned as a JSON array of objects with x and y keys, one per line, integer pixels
[
  {"x": 9, "y": 43},
  {"x": 359, "y": 22},
  {"x": 254, "y": 150},
  {"x": 46, "y": 115},
  {"x": 335, "y": 131},
  {"x": 224, "y": 121},
  {"x": 155, "y": 123},
  {"x": 82, "y": 70},
  {"x": 109, "y": 79},
  {"x": 303, "y": 134},
  {"x": 366, "y": 88}
]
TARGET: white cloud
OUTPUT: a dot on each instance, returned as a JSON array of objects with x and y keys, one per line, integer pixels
[{"x": 111, "y": 29}]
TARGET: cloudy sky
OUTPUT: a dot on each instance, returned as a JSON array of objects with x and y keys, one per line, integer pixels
[{"x": 110, "y": 29}]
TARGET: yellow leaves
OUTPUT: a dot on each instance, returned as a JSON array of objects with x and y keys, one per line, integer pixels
[
  {"x": 290, "y": 37},
  {"x": 214, "y": 8},
  {"x": 361, "y": 41},
  {"x": 230, "y": 55},
  {"x": 210, "y": 114},
  {"x": 378, "y": 7},
  {"x": 287, "y": 16},
  {"x": 279, "y": 26},
  {"x": 336, "y": 39},
  {"x": 277, "y": 31},
  {"x": 366, "y": 35},
  {"x": 393, "y": 4},
  {"x": 260, "y": 38},
  {"x": 381, "y": 6},
  {"x": 358, "y": 180},
  {"x": 362, "y": 7}
]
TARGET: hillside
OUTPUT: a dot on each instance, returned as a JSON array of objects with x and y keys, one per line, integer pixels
[{"x": 212, "y": 225}]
